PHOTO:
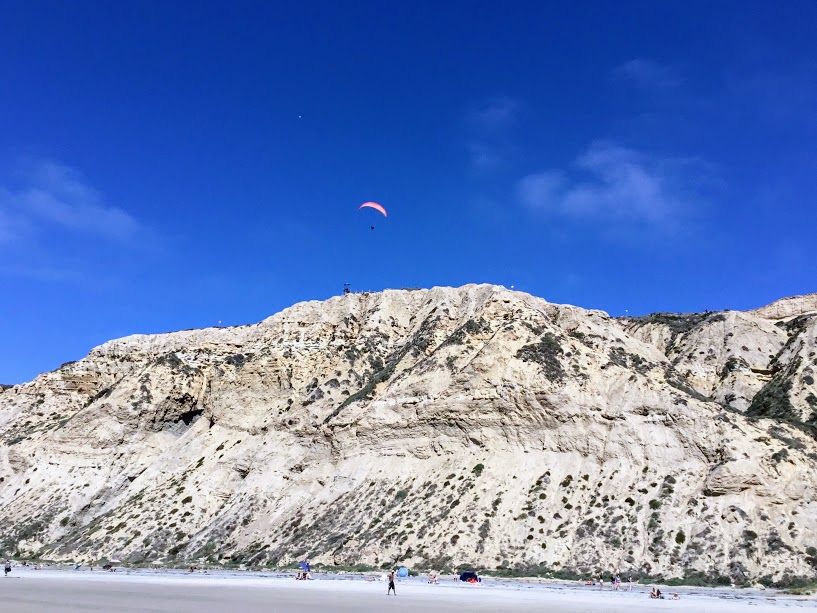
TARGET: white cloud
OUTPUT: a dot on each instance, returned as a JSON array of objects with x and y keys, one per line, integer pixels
[
  {"x": 56, "y": 198},
  {"x": 612, "y": 185},
  {"x": 647, "y": 74}
]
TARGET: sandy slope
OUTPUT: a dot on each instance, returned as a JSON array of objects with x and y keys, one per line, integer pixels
[{"x": 44, "y": 592}]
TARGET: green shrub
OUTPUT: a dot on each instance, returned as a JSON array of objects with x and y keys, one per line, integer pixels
[
  {"x": 545, "y": 353},
  {"x": 780, "y": 455}
]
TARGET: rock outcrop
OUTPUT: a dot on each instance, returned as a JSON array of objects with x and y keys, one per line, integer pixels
[
  {"x": 786, "y": 308},
  {"x": 434, "y": 428}
]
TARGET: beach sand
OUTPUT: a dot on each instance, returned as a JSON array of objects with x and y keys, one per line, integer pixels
[{"x": 66, "y": 591}]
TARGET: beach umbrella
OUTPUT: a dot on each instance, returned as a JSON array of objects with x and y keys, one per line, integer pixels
[{"x": 402, "y": 571}]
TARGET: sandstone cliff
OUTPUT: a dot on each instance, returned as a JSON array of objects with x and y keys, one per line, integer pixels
[{"x": 452, "y": 426}]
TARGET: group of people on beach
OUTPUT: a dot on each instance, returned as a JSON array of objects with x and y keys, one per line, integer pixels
[
  {"x": 656, "y": 593},
  {"x": 615, "y": 583},
  {"x": 9, "y": 565}
]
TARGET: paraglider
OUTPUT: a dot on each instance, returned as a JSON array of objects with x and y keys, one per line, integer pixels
[{"x": 375, "y": 206}]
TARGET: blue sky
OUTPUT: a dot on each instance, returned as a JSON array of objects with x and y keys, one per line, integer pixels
[{"x": 171, "y": 165}]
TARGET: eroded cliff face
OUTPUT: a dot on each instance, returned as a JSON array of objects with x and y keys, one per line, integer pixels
[{"x": 439, "y": 427}]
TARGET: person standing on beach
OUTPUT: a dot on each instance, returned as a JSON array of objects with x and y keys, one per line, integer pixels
[
  {"x": 8, "y": 568},
  {"x": 391, "y": 584},
  {"x": 630, "y": 585}
]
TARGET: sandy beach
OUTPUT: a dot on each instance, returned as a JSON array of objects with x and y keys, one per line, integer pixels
[{"x": 146, "y": 591}]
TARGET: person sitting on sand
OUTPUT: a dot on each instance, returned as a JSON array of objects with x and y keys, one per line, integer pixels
[
  {"x": 652, "y": 593},
  {"x": 432, "y": 579},
  {"x": 675, "y": 596},
  {"x": 658, "y": 594},
  {"x": 298, "y": 576},
  {"x": 391, "y": 585}
]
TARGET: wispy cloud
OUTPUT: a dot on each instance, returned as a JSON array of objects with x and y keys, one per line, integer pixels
[
  {"x": 610, "y": 185},
  {"x": 648, "y": 74},
  {"x": 56, "y": 196},
  {"x": 789, "y": 97},
  {"x": 493, "y": 114},
  {"x": 46, "y": 274},
  {"x": 485, "y": 157},
  {"x": 489, "y": 127},
  {"x": 54, "y": 226}
]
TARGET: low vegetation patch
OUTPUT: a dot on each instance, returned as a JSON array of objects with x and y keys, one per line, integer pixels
[{"x": 546, "y": 353}]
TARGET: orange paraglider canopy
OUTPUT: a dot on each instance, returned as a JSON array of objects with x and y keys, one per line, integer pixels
[{"x": 375, "y": 206}]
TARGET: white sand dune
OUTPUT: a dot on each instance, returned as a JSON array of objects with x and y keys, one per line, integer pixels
[{"x": 51, "y": 591}]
